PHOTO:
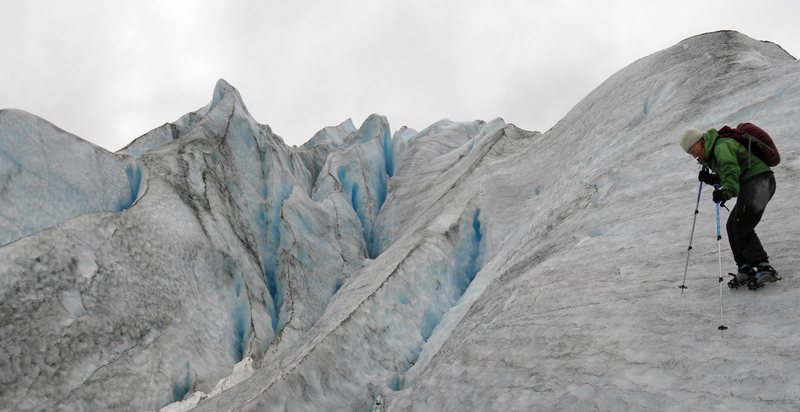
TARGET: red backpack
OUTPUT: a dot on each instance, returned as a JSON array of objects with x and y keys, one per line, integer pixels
[{"x": 756, "y": 140}]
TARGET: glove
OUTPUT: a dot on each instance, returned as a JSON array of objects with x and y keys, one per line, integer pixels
[
  {"x": 720, "y": 196},
  {"x": 708, "y": 178}
]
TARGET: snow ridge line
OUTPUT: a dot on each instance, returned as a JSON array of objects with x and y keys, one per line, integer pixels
[{"x": 498, "y": 135}]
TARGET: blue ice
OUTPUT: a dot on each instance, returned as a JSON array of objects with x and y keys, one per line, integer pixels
[
  {"x": 183, "y": 384},
  {"x": 134, "y": 173}
]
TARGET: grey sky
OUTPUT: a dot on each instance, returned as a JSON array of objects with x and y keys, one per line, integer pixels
[{"x": 109, "y": 71}]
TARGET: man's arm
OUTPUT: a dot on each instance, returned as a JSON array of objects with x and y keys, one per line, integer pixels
[{"x": 728, "y": 169}]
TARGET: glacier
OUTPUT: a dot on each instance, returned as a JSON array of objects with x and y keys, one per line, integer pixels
[{"x": 464, "y": 266}]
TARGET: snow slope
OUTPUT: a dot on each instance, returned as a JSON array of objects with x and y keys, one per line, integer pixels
[
  {"x": 467, "y": 266},
  {"x": 48, "y": 176}
]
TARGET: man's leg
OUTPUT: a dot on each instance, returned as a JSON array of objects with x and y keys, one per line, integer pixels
[{"x": 754, "y": 195}]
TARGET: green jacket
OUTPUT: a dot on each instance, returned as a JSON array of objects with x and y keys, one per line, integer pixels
[{"x": 731, "y": 161}]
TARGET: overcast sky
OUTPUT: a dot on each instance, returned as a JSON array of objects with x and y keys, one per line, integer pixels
[{"x": 109, "y": 71}]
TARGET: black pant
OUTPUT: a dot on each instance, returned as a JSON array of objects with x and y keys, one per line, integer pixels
[{"x": 754, "y": 194}]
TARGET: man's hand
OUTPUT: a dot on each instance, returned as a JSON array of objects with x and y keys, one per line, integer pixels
[
  {"x": 708, "y": 178},
  {"x": 720, "y": 196}
]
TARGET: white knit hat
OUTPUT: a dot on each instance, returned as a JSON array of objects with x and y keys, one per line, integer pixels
[{"x": 689, "y": 138}]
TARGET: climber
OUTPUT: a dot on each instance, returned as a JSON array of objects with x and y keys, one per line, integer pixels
[{"x": 736, "y": 172}]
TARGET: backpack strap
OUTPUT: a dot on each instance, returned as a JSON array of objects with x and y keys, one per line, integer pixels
[{"x": 738, "y": 135}]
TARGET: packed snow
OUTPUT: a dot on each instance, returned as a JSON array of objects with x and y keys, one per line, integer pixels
[{"x": 465, "y": 266}]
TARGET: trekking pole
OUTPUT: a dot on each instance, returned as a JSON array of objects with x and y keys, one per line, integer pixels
[
  {"x": 691, "y": 237},
  {"x": 722, "y": 326}
]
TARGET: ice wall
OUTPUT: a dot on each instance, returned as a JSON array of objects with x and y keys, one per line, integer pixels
[{"x": 212, "y": 251}]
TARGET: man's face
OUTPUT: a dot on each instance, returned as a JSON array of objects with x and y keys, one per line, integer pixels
[{"x": 697, "y": 150}]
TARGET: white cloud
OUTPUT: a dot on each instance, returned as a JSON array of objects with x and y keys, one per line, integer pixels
[{"x": 110, "y": 71}]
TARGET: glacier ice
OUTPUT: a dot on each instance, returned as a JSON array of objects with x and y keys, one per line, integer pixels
[
  {"x": 40, "y": 186},
  {"x": 464, "y": 266}
]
